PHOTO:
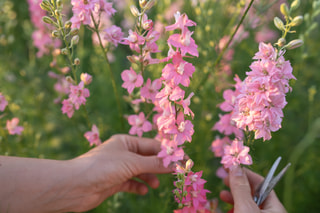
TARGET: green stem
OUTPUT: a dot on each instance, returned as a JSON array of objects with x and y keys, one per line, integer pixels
[
  {"x": 96, "y": 29},
  {"x": 217, "y": 61}
]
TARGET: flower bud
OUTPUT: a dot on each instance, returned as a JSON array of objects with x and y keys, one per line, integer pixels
[
  {"x": 189, "y": 165},
  {"x": 176, "y": 192},
  {"x": 47, "y": 20},
  {"x": 59, "y": 3},
  {"x": 131, "y": 59},
  {"x": 64, "y": 51},
  {"x": 75, "y": 40},
  {"x": 185, "y": 193},
  {"x": 76, "y": 61},
  {"x": 296, "y": 21},
  {"x": 142, "y": 3},
  {"x": 69, "y": 79},
  {"x": 294, "y": 44},
  {"x": 57, "y": 13},
  {"x": 278, "y": 23},
  {"x": 150, "y": 4},
  {"x": 294, "y": 5},
  {"x": 55, "y": 34},
  {"x": 134, "y": 10},
  {"x": 45, "y": 7},
  {"x": 281, "y": 42},
  {"x": 68, "y": 24},
  {"x": 284, "y": 10},
  {"x": 74, "y": 31}
]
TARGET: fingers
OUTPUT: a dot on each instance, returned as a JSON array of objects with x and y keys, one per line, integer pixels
[
  {"x": 133, "y": 186},
  {"x": 226, "y": 196},
  {"x": 142, "y": 146},
  {"x": 150, "y": 179},
  {"x": 241, "y": 191},
  {"x": 151, "y": 164}
]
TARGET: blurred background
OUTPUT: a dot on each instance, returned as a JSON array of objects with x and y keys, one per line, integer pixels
[{"x": 33, "y": 97}]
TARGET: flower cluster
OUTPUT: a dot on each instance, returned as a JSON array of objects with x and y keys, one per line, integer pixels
[
  {"x": 41, "y": 36},
  {"x": 261, "y": 98},
  {"x": 11, "y": 125},
  {"x": 77, "y": 96},
  {"x": 190, "y": 192}
]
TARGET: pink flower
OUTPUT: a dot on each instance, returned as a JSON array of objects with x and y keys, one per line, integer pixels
[
  {"x": 93, "y": 136},
  {"x": 67, "y": 107},
  {"x": 179, "y": 72},
  {"x": 3, "y": 102},
  {"x": 185, "y": 105},
  {"x": 227, "y": 126},
  {"x": 86, "y": 78},
  {"x": 185, "y": 43},
  {"x": 13, "y": 127},
  {"x": 221, "y": 173},
  {"x": 107, "y": 7},
  {"x": 113, "y": 34},
  {"x": 182, "y": 130},
  {"x": 217, "y": 146},
  {"x": 134, "y": 41},
  {"x": 139, "y": 124},
  {"x": 82, "y": 12},
  {"x": 170, "y": 152},
  {"x": 78, "y": 95},
  {"x": 150, "y": 90},
  {"x": 182, "y": 22},
  {"x": 230, "y": 98},
  {"x": 236, "y": 154},
  {"x": 131, "y": 80}
]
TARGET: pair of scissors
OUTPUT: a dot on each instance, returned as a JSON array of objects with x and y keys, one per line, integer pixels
[{"x": 269, "y": 182}]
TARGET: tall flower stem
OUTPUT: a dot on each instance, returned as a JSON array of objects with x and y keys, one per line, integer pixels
[
  {"x": 217, "y": 61},
  {"x": 96, "y": 29}
]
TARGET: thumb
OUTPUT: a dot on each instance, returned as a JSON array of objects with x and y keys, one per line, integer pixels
[{"x": 241, "y": 191}]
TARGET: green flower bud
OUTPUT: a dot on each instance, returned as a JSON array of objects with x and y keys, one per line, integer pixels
[
  {"x": 46, "y": 3},
  {"x": 47, "y": 20},
  {"x": 55, "y": 34},
  {"x": 45, "y": 7},
  {"x": 57, "y": 12},
  {"x": 284, "y": 10},
  {"x": 295, "y": 5},
  {"x": 296, "y": 21},
  {"x": 76, "y": 61},
  {"x": 142, "y": 3},
  {"x": 74, "y": 31},
  {"x": 278, "y": 23},
  {"x": 74, "y": 40},
  {"x": 64, "y": 51},
  {"x": 294, "y": 44},
  {"x": 134, "y": 10},
  {"x": 150, "y": 4},
  {"x": 281, "y": 42},
  {"x": 59, "y": 3},
  {"x": 185, "y": 193},
  {"x": 68, "y": 24}
]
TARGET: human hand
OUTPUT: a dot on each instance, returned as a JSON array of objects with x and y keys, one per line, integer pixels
[
  {"x": 242, "y": 183},
  {"x": 110, "y": 167}
]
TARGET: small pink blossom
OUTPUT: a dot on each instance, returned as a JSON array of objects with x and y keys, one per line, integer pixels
[
  {"x": 13, "y": 128},
  {"x": 67, "y": 107},
  {"x": 139, "y": 124},
  {"x": 131, "y": 80},
  {"x": 150, "y": 90},
  {"x": 182, "y": 22},
  {"x": 3, "y": 102},
  {"x": 236, "y": 154},
  {"x": 182, "y": 130},
  {"x": 78, "y": 95},
  {"x": 86, "y": 78},
  {"x": 217, "y": 146},
  {"x": 170, "y": 152},
  {"x": 185, "y": 43},
  {"x": 93, "y": 136},
  {"x": 113, "y": 34}
]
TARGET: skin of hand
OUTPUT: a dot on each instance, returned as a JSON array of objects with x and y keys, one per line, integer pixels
[
  {"x": 80, "y": 184},
  {"x": 242, "y": 183}
]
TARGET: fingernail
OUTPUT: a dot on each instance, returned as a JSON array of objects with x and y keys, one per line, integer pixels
[{"x": 236, "y": 170}]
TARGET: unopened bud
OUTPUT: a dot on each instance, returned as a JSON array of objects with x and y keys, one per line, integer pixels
[
  {"x": 150, "y": 4},
  {"x": 64, "y": 51},
  {"x": 55, "y": 34},
  {"x": 68, "y": 24},
  {"x": 134, "y": 10},
  {"x": 74, "y": 31},
  {"x": 142, "y": 3},
  {"x": 189, "y": 165},
  {"x": 180, "y": 205},
  {"x": 70, "y": 80},
  {"x": 131, "y": 59},
  {"x": 59, "y": 3},
  {"x": 278, "y": 23},
  {"x": 47, "y": 20},
  {"x": 76, "y": 61},
  {"x": 284, "y": 10},
  {"x": 86, "y": 78},
  {"x": 294, "y": 44},
  {"x": 57, "y": 13},
  {"x": 281, "y": 42},
  {"x": 75, "y": 40},
  {"x": 295, "y": 5},
  {"x": 45, "y": 7},
  {"x": 296, "y": 21},
  {"x": 176, "y": 192},
  {"x": 185, "y": 193}
]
